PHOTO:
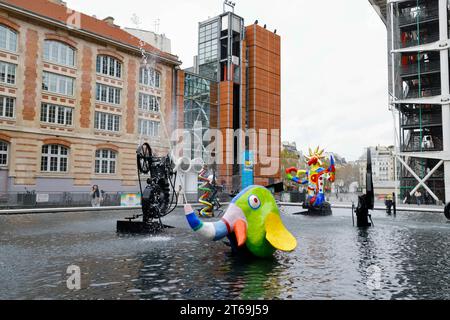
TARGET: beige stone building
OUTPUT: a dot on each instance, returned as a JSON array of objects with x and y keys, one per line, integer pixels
[{"x": 76, "y": 100}]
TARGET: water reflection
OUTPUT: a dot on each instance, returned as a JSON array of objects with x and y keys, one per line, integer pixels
[
  {"x": 332, "y": 261},
  {"x": 366, "y": 249},
  {"x": 368, "y": 266},
  {"x": 254, "y": 279},
  {"x": 205, "y": 274}
]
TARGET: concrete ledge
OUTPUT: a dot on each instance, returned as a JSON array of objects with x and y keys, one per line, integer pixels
[
  {"x": 63, "y": 210},
  {"x": 80, "y": 209},
  {"x": 377, "y": 208},
  {"x": 101, "y": 209}
]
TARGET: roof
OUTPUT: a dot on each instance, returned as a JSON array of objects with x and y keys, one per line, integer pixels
[
  {"x": 61, "y": 14},
  {"x": 380, "y": 7}
]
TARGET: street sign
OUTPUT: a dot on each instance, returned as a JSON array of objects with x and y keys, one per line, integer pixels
[{"x": 42, "y": 197}]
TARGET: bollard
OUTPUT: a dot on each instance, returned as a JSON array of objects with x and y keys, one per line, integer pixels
[{"x": 394, "y": 203}]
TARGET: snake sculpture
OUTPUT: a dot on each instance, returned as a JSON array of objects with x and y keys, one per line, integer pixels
[{"x": 205, "y": 186}]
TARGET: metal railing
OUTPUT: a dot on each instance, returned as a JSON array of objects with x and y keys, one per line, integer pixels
[
  {"x": 427, "y": 119},
  {"x": 424, "y": 92},
  {"x": 415, "y": 145},
  {"x": 381, "y": 207},
  {"x": 419, "y": 16},
  {"x": 416, "y": 148},
  {"x": 424, "y": 39},
  {"x": 413, "y": 69},
  {"x": 11, "y": 200},
  {"x": 34, "y": 200}
]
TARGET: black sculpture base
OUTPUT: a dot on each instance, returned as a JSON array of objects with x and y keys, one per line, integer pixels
[
  {"x": 322, "y": 211},
  {"x": 362, "y": 221},
  {"x": 363, "y": 218},
  {"x": 139, "y": 227}
]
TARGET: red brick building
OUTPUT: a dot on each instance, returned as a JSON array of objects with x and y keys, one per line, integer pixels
[
  {"x": 76, "y": 99},
  {"x": 241, "y": 67}
]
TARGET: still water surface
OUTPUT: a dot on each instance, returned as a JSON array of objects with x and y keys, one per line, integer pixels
[{"x": 406, "y": 257}]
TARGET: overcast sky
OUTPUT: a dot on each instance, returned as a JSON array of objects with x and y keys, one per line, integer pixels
[{"x": 334, "y": 61}]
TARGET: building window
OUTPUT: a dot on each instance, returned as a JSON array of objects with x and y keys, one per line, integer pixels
[
  {"x": 56, "y": 83},
  {"x": 3, "y": 154},
  {"x": 107, "y": 122},
  {"x": 54, "y": 158},
  {"x": 7, "y": 73},
  {"x": 105, "y": 162},
  {"x": 60, "y": 53},
  {"x": 208, "y": 43},
  {"x": 7, "y": 106},
  {"x": 150, "y": 77},
  {"x": 108, "y": 94},
  {"x": 157, "y": 79},
  {"x": 51, "y": 113},
  {"x": 109, "y": 66},
  {"x": 8, "y": 39},
  {"x": 149, "y": 103},
  {"x": 149, "y": 128}
]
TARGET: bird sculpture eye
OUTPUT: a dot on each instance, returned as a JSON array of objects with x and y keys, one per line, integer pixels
[{"x": 254, "y": 202}]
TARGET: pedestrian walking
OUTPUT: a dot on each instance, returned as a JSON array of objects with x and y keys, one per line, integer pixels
[
  {"x": 389, "y": 204},
  {"x": 418, "y": 196},
  {"x": 95, "y": 196}
]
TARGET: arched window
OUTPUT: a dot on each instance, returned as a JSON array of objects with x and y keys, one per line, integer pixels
[
  {"x": 3, "y": 154},
  {"x": 109, "y": 66},
  {"x": 54, "y": 158},
  {"x": 8, "y": 39},
  {"x": 59, "y": 53},
  {"x": 105, "y": 162},
  {"x": 150, "y": 77}
]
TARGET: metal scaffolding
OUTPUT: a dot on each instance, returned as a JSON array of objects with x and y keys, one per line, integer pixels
[{"x": 420, "y": 93}]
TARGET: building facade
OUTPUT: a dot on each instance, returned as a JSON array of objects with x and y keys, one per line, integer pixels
[
  {"x": 79, "y": 94},
  {"x": 76, "y": 100},
  {"x": 291, "y": 147},
  {"x": 383, "y": 169},
  {"x": 159, "y": 41},
  {"x": 241, "y": 66},
  {"x": 419, "y": 90}
]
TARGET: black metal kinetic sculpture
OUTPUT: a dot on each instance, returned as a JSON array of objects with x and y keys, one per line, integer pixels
[
  {"x": 447, "y": 211},
  {"x": 156, "y": 198},
  {"x": 366, "y": 202}
]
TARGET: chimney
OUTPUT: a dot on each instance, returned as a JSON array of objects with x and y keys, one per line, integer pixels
[
  {"x": 109, "y": 20},
  {"x": 60, "y": 2}
]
